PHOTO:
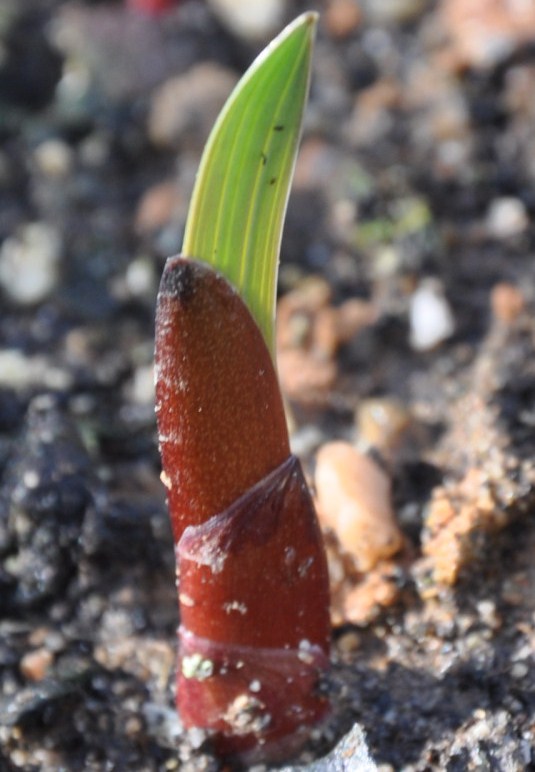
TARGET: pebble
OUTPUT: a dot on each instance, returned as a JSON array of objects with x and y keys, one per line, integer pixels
[
  {"x": 54, "y": 158},
  {"x": 48, "y": 486},
  {"x": 35, "y": 664},
  {"x": 94, "y": 151},
  {"x": 342, "y": 18},
  {"x": 254, "y": 20},
  {"x": 506, "y": 217},
  {"x": 349, "y": 642},
  {"x": 372, "y": 117},
  {"x": 305, "y": 378},
  {"x": 306, "y": 440},
  {"x": 352, "y": 316},
  {"x": 140, "y": 278},
  {"x": 309, "y": 324},
  {"x": 519, "y": 84},
  {"x": 485, "y": 32},
  {"x": 488, "y": 613},
  {"x": 520, "y": 670},
  {"x": 108, "y": 52},
  {"x": 430, "y": 316},
  {"x": 354, "y": 500},
  {"x": 142, "y": 387},
  {"x": 507, "y": 302},
  {"x": 157, "y": 206},
  {"x": 18, "y": 371},
  {"x": 441, "y": 120},
  {"x": 382, "y": 422},
  {"x": 350, "y": 754},
  {"x": 53, "y": 640},
  {"x": 184, "y": 108},
  {"x": 335, "y": 326},
  {"x": 29, "y": 263}
]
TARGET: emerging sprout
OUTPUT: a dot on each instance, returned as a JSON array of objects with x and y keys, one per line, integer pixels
[{"x": 253, "y": 585}]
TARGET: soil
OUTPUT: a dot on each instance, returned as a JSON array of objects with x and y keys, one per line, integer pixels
[{"x": 416, "y": 174}]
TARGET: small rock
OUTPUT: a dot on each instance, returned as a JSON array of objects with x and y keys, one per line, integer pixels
[
  {"x": 185, "y": 107},
  {"x": 253, "y": 20},
  {"x": 382, "y": 422},
  {"x": 35, "y": 664},
  {"x": 18, "y": 371},
  {"x": 352, "y": 316},
  {"x": 296, "y": 310},
  {"x": 306, "y": 369},
  {"x": 430, "y": 316},
  {"x": 349, "y": 642},
  {"x": 110, "y": 52},
  {"x": 94, "y": 151},
  {"x": 142, "y": 387},
  {"x": 506, "y": 217},
  {"x": 140, "y": 278},
  {"x": 485, "y": 32},
  {"x": 306, "y": 440},
  {"x": 305, "y": 378},
  {"x": 359, "y": 602},
  {"x": 507, "y": 302},
  {"x": 54, "y": 158},
  {"x": 372, "y": 117},
  {"x": 47, "y": 490},
  {"x": 342, "y": 17},
  {"x": 146, "y": 659},
  {"x": 519, "y": 86},
  {"x": 157, "y": 206},
  {"x": 439, "y": 108},
  {"x": 309, "y": 323},
  {"x": 354, "y": 499},
  {"x": 29, "y": 263},
  {"x": 350, "y": 755},
  {"x": 489, "y": 614},
  {"x": 48, "y": 638}
]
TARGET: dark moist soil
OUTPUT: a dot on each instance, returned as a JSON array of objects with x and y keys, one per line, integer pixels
[{"x": 408, "y": 155}]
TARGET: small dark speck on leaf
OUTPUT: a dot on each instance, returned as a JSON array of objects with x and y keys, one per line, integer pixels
[
  {"x": 273, "y": 180},
  {"x": 279, "y": 127},
  {"x": 263, "y": 156}
]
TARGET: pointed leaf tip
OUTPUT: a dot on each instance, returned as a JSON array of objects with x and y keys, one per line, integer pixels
[{"x": 239, "y": 201}]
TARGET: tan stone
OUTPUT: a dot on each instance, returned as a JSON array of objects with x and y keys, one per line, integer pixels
[{"x": 354, "y": 500}]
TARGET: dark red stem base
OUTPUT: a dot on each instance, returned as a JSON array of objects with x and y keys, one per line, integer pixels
[{"x": 254, "y": 641}]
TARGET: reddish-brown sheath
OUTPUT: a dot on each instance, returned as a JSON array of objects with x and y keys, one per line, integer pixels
[{"x": 253, "y": 584}]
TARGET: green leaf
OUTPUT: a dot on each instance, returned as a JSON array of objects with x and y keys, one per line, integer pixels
[{"x": 239, "y": 201}]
